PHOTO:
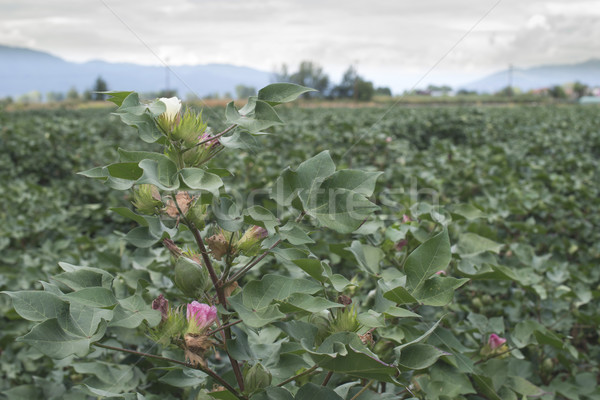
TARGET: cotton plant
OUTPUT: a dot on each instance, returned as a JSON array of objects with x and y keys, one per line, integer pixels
[{"x": 251, "y": 312}]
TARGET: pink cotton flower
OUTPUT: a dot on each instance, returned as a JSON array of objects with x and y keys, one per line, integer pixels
[
  {"x": 200, "y": 316},
  {"x": 406, "y": 219},
  {"x": 495, "y": 341},
  {"x": 441, "y": 272}
]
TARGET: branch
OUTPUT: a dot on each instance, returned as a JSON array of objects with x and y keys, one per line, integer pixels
[
  {"x": 364, "y": 389},
  {"x": 223, "y": 327},
  {"x": 293, "y": 378},
  {"x": 206, "y": 370},
  {"x": 327, "y": 378},
  {"x": 258, "y": 259}
]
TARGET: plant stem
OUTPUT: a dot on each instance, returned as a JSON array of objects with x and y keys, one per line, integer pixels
[
  {"x": 258, "y": 259},
  {"x": 364, "y": 389},
  {"x": 223, "y": 327},
  {"x": 206, "y": 370},
  {"x": 293, "y": 378},
  {"x": 218, "y": 135},
  {"x": 327, "y": 378},
  {"x": 221, "y": 296}
]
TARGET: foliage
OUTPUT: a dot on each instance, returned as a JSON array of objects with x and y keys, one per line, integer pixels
[{"x": 514, "y": 187}]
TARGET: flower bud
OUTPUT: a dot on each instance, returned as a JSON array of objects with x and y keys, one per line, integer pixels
[
  {"x": 201, "y": 149},
  {"x": 346, "y": 320},
  {"x": 197, "y": 214},
  {"x": 249, "y": 243},
  {"x": 168, "y": 119},
  {"x": 257, "y": 378},
  {"x": 146, "y": 199},
  {"x": 495, "y": 341},
  {"x": 161, "y": 304},
  {"x": 187, "y": 129},
  {"x": 191, "y": 277},
  {"x": 200, "y": 317}
]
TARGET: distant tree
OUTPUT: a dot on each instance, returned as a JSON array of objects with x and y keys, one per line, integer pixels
[
  {"x": 442, "y": 89},
  {"x": 228, "y": 96},
  {"x": 243, "y": 91},
  {"x": 557, "y": 92},
  {"x": 383, "y": 91},
  {"x": 72, "y": 94},
  {"x": 464, "y": 92},
  {"x": 30, "y": 97},
  {"x": 353, "y": 86},
  {"x": 167, "y": 93},
  {"x": 87, "y": 95},
  {"x": 507, "y": 91},
  {"x": 580, "y": 89},
  {"x": 311, "y": 75},
  {"x": 99, "y": 86},
  {"x": 282, "y": 75},
  {"x": 54, "y": 97},
  {"x": 191, "y": 96}
]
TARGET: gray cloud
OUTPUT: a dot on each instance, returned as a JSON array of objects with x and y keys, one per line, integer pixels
[{"x": 398, "y": 38}]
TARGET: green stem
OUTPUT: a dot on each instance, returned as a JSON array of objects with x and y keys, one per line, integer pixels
[
  {"x": 293, "y": 378},
  {"x": 206, "y": 370},
  {"x": 327, "y": 378},
  {"x": 364, "y": 389}
]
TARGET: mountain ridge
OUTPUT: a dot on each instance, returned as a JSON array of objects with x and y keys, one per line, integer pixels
[{"x": 24, "y": 70}]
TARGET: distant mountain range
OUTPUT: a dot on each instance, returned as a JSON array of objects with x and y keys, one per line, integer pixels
[
  {"x": 24, "y": 70},
  {"x": 587, "y": 72}
]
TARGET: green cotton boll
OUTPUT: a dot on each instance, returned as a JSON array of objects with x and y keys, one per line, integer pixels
[
  {"x": 346, "y": 320},
  {"x": 191, "y": 277},
  {"x": 257, "y": 378},
  {"x": 147, "y": 200},
  {"x": 197, "y": 214},
  {"x": 189, "y": 128}
]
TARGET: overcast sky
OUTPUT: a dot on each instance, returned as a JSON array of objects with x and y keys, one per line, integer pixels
[{"x": 393, "y": 42}]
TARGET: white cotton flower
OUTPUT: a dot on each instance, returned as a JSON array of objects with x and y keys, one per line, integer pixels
[{"x": 173, "y": 105}]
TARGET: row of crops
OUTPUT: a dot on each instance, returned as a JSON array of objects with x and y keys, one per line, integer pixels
[{"x": 520, "y": 185}]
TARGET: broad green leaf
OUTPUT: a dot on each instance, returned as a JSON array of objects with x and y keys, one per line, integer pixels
[
  {"x": 307, "y": 303},
  {"x": 198, "y": 179},
  {"x": 368, "y": 256},
  {"x": 84, "y": 321},
  {"x": 263, "y": 117},
  {"x": 355, "y": 180},
  {"x": 95, "y": 173},
  {"x": 50, "y": 338},
  {"x": 127, "y": 156},
  {"x": 228, "y": 214},
  {"x": 293, "y": 233},
  {"x": 466, "y": 211},
  {"x": 260, "y": 294},
  {"x": 128, "y": 213},
  {"x": 242, "y": 140},
  {"x": 132, "y": 311},
  {"x": 471, "y": 243},
  {"x": 36, "y": 305},
  {"x": 92, "y": 297},
  {"x": 162, "y": 174},
  {"x": 310, "y": 391},
  {"x": 273, "y": 393},
  {"x": 278, "y": 93},
  {"x": 419, "y": 356},
  {"x": 396, "y": 292},
  {"x": 183, "y": 378},
  {"x": 145, "y": 124},
  {"x": 372, "y": 319},
  {"x": 420, "y": 338},
  {"x": 438, "y": 291},
  {"x": 523, "y": 386},
  {"x": 125, "y": 170},
  {"x": 432, "y": 256},
  {"x": 117, "y": 97},
  {"x": 78, "y": 277},
  {"x": 344, "y": 353},
  {"x": 260, "y": 216}
]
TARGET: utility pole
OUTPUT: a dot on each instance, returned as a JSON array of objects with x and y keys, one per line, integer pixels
[
  {"x": 510, "y": 79},
  {"x": 166, "y": 76}
]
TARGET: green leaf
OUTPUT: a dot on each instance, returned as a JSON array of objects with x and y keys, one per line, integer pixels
[
  {"x": 127, "y": 156},
  {"x": 432, "y": 256},
  {"x": 307, "y": 303},
  {"x": 84, "y": 321},
  {"x": 294, "y": 234},
  {"x": 278, "y": 93},
  {"x": 78, "y": 277},
  {"x": 470, "y": 244},
  {"x": 117, "y": 97},
  {"x": 438, "y": 291},
  {"x": 93, "y": 297},
  {"x": 198, "y": 179},
  {"x": 95, "y": 173},
  {"x": 273, "y": 393},
  {"x": 396, "y": 292},
  {"x": 132, "y": 311},
  {"x": 125, "y": 170},
  {"x": 368, "y": 256},
  {"x": 183, "y": 378},
  {"x": 344, "y": 353},
  {"x": 260, "y": 216},
  {"x": 310, "y": 391},
  {"x": 50, "y": 338},
  {"x": 162, "y": 174},
  {"x": 419, "y": 356},
  {"x": 36, "y": 305},
  {"x": 523, "y": 386},
  {"x": 241, "y": 140},
  {"x": 228, "y": 215},
  {"x": 263, "y": 117},
  {"x": 355, "y": 180}
]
